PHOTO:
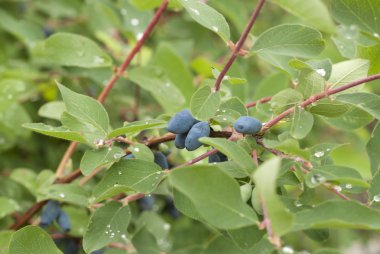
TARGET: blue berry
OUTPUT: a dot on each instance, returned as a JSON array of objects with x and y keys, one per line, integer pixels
[
  {"x": 181, "y": 122},
  {"x": 146, "y": 203},
  {"x": 50, "y": 213},
  {"x": 63, "y": 221},
  {"x": 129, "y": 156},
  {"x": 247, "y": 125},
  {"x": 217, "y": 157},
  {"x": 160, "y": 159},
  {"x": 97, "y": 252},
  {"x": 201, "y": 129},
  {"x": 179, "y": 141}
]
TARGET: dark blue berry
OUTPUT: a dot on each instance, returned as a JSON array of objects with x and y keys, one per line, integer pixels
[
  {"x": 97, "y": 252},
  {"x": 63, "y": 221},
  {"x": 217, "y": 157},
  {"x": 129, "y": 156},
  {"x": 49, "y": 213},
  {"x": 247, "y": 125},
  {"x": 146, "y": 203},
  {"x": 179, "y": 141},
  {"x": 161, "y": 159},
  {"x": 181, "y": 122},
  {"x": 201, "y": 129},
  {"x": 170, "y": 208}
]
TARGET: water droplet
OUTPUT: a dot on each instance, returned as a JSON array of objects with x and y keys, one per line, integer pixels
[
  {"x": 241, "y": 215},
  {"x": 119, "y": 172},
  {"x": 321, "y": 72},
  {"x": 167, "y": 84},
  {"x": 337, "y": 188},
  {"x": 139, "y": 36},
  {"x": 223, "y": 111},
  {"x": 118, "y": 155},
  {"x": 124, "y": 236},
  {"x": 224, "y": 119},
  {"x": 166, "y": 226},
  {"x": 136, "y": 149},
  {"x": 317, "y": 179},
  {"x": 348, "y": 186},
  {"x": 106, "y": 232},
  {"x": 376, "y": 198},
  {"x": 108, "y": 226},
  {"x": 216, "y": 29},
  {"x": 196, "y": 12},
  {"x": 98, "y": 60},
  {"x": 135, "y": 22},
  {"x": 124, "y": 12},
  {"x": 287, "y": 250},
  {"x": 319, "y": 154},
  {"x": 62, "y": 195},
  {"x": 297, "y": 203},
  {"x": 376, "y": 35},
  {"x": 110, "y": 149}
]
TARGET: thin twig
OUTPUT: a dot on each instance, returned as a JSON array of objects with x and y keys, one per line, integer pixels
[
  {"x": 266, "y": 223},
  {"x": 239, "y": 44}
]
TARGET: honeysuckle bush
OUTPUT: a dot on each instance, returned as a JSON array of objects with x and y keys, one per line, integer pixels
[{"x": 109, "y": 75}]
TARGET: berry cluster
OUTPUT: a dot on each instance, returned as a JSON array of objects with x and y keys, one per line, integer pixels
[
  {"x": 188, "y": 130},
  {"x": 52, "y": 211}
]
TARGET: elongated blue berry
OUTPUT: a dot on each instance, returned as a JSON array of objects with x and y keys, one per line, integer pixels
[
  {"x": 201, "y": 129},
  {"x": 129, "y": 156},
  {"x": 161, "y": 159},
  {"x": 63, "y": 221},
  {"x": 217, "y": 157},
  {"x": 181, "y": 122},
  {"x": 247, "y": 125},
  {"x": 146, "y": 203},
  {"x": 179, "y": 141},
  {"x": 49, "y": 213}
]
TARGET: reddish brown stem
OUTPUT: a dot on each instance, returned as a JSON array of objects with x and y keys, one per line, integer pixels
[
  {"x": 317, "y": 97},
  {"x": 61, "y": 167},
  {"x": 239, "y": 44}
]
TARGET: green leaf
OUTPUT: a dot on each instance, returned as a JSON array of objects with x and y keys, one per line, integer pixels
[
  {"x": 32, "y": 240},
  {"x": 215, "y": 195},
  {"x": 348, "y": 71},
  {"x": 175, "y": 68},
  {"x": 79, "y": 218},
  {"x": 68, "y": 49},
  {"x": 329, "y": 108},
  {"x": 373, "y": 148},
  {"x": 336, "y": 174},
  {"x": 144, "y": 242},
  {"x": 99, "y": 157},
  {"x": 368, "y": 102},
  {"x": 313, "y": 12},
  {"x": 372, "y": 53},
  {"x": 302, "y": 123},
  {"x": 108, "y": 224},
  {"x": 265, "y": 179},
  {"x": 232, "y": 151},
  {"x": 85, "y": 108},
  {"x": 323, "y": 67},
  {"x": 311, "y": 82},
  {"x": 222, "y": 245},
  {"x": 207, "y": 17},
  {"x": 126, "y": 175},
  {"x": 354, "y": 118},
  {"x": 137, "y": 126},
  {"x": 204, "y": 103},
  {"x": 290, "y": 40},
  {"x": 185, "y": 205},
  {"x": 160, "y": 87},
  {"x": 5, "y": 238},
  {"x": 374, "y": 189},
  {"x": 57, "y": 132},
  {"x": 7, "y": 206},
  {"x": 235, "y": 104},
  {"x": 69, "y": 193},
  {"x": 52, "y": 110},
  {"x": 338, "y": 214},
  {"x": 346, "y": 40},
  {"x": 25, "y": 177},
  {"x": 363, "y": 13},
  {"x": 142, "y": 152},
  {"x": 246, "y": 237},
  {"x": 155, "y": 224},
  {"x": 285, "y": 99}
]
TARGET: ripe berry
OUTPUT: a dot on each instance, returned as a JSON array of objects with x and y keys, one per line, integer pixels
[
  {"x": 161, "y": 160},
  {"x": 63, "y": 221},
  {"x": 201, "y": 129},
  {"x": 181, "y": 122},
  {"x": 129, "y": 156},
  {"x": 146, "y": 203},
  {"x": 50, "y": 213},
  {"x": 247, "y": 125},
  {"x": 179, "y": 141},
  {"x": 217, "y": 157}
]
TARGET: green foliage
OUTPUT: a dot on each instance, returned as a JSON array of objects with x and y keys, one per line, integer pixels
[{"x": 312, "y": 170}]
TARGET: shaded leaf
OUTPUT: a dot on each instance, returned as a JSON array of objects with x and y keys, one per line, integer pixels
[
  {"x": 98, "y": 157},
  {"x": 204, "y": 103}
]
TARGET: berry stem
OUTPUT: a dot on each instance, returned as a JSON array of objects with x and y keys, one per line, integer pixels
[{"x": 239, "y": 44}]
